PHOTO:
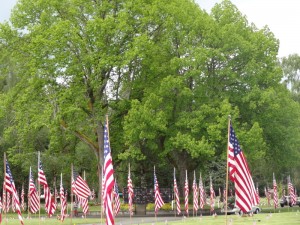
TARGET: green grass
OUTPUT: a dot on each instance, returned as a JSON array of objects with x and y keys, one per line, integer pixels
[
  {"x": 279, "y": 218},
  {"x": 260, "y": 219}
]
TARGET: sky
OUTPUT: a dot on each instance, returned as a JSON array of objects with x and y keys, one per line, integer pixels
[{"x": 281, "y": 16}]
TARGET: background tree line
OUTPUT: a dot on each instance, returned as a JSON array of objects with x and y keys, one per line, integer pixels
[{"x": 166, "y": 73}]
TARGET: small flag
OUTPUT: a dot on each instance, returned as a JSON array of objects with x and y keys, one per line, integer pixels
[
  {"x": 201, "y": 192},
  {"x": 158, "y": 199},
  {"x": 186, "y": 194},
  {"x": 11, "y": 189},
  {"x": 117, "y": 199},
  {"x": 130, "y": 192},
  {"x": 176, "y": 193},
  {"x": 195, "y": 193}
]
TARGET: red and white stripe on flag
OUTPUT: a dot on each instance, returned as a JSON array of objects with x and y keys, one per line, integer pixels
[
  {"x": 108, "y": 173},
  {"x": 186, "y": 195},
  {"x": 11, "y": 189},
  {"x": 239, "y": 173},
  {"x": 176, "y": 193},
  {"x": 158, "y": 201}
]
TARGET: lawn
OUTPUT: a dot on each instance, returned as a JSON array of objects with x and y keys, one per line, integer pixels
[{"x": 280, "y": 218}]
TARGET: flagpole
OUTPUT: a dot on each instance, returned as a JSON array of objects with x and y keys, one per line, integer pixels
[
  {"x": 39, "y": 187},
  {"x": 71, "y": 194},
  {"x": 4, "y": 158},
  {"x": 227, "y": 169}
]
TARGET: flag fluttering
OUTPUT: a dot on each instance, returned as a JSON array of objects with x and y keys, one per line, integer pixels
[
  {"x": 186, "y": 194},
  {"x": 158, "y": 201},
  {"x": 176, "y": 195},
  {"x": 79, "y": 186},
  {"x": 33, "y": 200},
  {"x": 63, "y": 200},
  {"x": 268, "y": 195},
  {"x": 108, "y": 172},
  {"x": 11, "y": 189},
  {"x": 8, "y": 201},
  {"x": 92, "y": 197},
  {"x": 117, "y": 198},
  {"x": 257, "y": 194},
  {"x": 195, "y": 194},
  {"x": 240, "y": 174},
  {"x": 130, "y": 193},
  {"x": 49, "y": 201},
  {"x": 13, "y": 203},
  {"x": 22, "y": 198},
  {"x": 201, "y": 193},
  {"x": 81, "y": 190},
  {"x": 291, "y": 192},
  {"x": 212, "y": 196},
  {"x": 275, "y": 195}
]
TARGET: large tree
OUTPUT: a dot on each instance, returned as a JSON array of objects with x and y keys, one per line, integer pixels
[
  {"x": 167, "y": 74},
  {"x": 77, "y": 61}
]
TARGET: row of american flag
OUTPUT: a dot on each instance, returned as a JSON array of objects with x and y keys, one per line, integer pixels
[
  {"x": 79, "y": 188},
  {"x": 246, "y": 194}
]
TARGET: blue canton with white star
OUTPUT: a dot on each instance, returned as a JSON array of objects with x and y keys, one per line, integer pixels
[
  {"x": 234, "y": 141},
  {"x": 106, "y": 142}
]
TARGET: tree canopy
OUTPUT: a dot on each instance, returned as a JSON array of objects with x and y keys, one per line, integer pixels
[{"x": 167, "y": 73}]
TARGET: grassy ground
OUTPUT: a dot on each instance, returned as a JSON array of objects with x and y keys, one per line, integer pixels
[{"x": 278, "y": 218}]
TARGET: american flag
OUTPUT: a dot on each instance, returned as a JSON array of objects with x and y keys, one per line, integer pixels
[
  {"x": 268, "y": 195},
  {"x": 108, "y": 178},
  {"x": 240, "y": 174},
  {"x": 13, "y": 203},
  {"x": 275, "y": 192},
  {"x": 291, "y": 191},
  {"x": 130, "y": 193},
  {"x": 49, "y": 201},
  {"x": 85, "y": 205},
  {"x": 186, "y": 194},
  {"x": 93, "y": 194},
  {"x": 34, "y": 203},
  {"x": 81, "y": 190},
  {"x": 55, "y": 196},
  {"x": 79, "y": 186},
  {"x": 22, "y": 198},
  {"x": 257, "y": 195},
  {"x": 4, "y": 206},
  {"x": 176, "y": 195},
  {"x": 117, "y": 199},
  {"x": 224, "y": 194},
  {"x": 63, "y": 200},
  {"x": 195, "y": 194},
  {"x": 212, "y": 197},
  {"x": 202, "y": 193},
  {"x": 158, "y": 201},
  {"x": 11, "y": 189},
  {"x": 8, "y": 201}
]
